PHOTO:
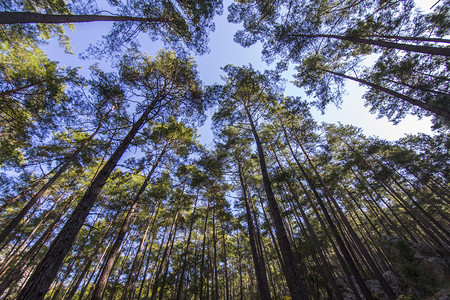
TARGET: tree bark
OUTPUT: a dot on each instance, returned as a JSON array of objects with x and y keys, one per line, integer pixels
[
  {"x": 148, "y": 249},
  {"x": 339, "y": 240},
  {"x": 391, "y": 45},
  {"x": 185, "y": 252},
  {"x": 385, "y": 285},
  {"x": 438, "y": 111},
  {"x": 327, "y": 272},
  {"x": 258, "y": 261},
  {"x": 202, "y": 269},
  {"x": 88, "y": 264},
  {"x": 295, "y": 284},
  {"x": 29, "y": 17},
  {"x": 166, "y": 254}
]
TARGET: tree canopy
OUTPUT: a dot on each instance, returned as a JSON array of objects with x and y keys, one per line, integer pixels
[{"x": 107, "y": 193}]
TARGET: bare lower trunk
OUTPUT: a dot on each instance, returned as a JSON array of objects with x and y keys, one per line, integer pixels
[
  {"x": 291, "y": 273},
  {"x": 385, "y": 44},
  {"x": 258, "y": 261},
  {"x": 29, "y": 17}
]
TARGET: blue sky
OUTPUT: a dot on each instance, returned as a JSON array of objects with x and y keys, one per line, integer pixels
[{"x": 225, "y": 51}]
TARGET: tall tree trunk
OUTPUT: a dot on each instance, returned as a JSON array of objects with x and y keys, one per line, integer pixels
[
  {"x": 156, "y": 263},
  {"x": 148, "y": 249},
  {"x": 394, "y": 214},
  {"x": 41, "y": 279},
  {"x": 18, "y": 269},
  {"x": 185, "y": 252},
  {"x": 351, "y": 264},
  {"x": 224, "y": 245},
  {"x": 328, "y": 272},
  {"x": 272, "y": 236},
  {"x": 29, "y": 17},
  {"x": 214, "y": 263},
  {"x": 436, "y": 110},
  {"x": 258, "y": 261},
  {"x": 169, "y": 256},
  {"x": 202, "y": 268},
  {"x": 130, "y": 287},
  {"x": 11, "y": 255},
  {"x": 291, "y": 273},
  {"x": 241, "y": 285},
  {"x": 166, "y": 254},
  {"x": 13, "y": 200},
  {"x": 385, "y": 285},
  {"x": 88, "y": 264},
  {"x": 444, "y": 51}
]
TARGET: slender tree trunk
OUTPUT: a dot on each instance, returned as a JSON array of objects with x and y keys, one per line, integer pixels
[
  {"x": 436, "y": 110},
  {"x": 214, "y": 263},
  {"x": 351, "y": 264},
  {"x": 126, "y": 248},
  {"x": 258, "y": 261},
  {"x": 88, "y": 264},
  {"x": 202, "y": 268},
  {"x": 328, "y": 272},
  {"x": 386, "y": 287},
  {"x": 394, "y": 214},
  {"x": 435, "y": 235},
  {"x": 422, "y": 210},
  {"x": 18, "y": 269},
  {"x": 185, "y": 252},
  {"x": 10, "y": 256},
  {"x": 148, "y": 249},
  {"x": 169, "y": 256},
  {"x": 29, "y": 17},
  {"x": 272, "y": 236},
  {"x": 385, "y": 44},
  {"x": 224, "y": 245},
  {"x": 31, "y": 187},
  {"x": 166, "y": 254},
  {"x": 157, "y": 263},
  {"x": 137, "y": 262},
  {"x": 41, "y": 279},
  {"x": 241, "y": 285},
  {"x": 290, "y": 270},
  {"x": 413, "y": 38}
]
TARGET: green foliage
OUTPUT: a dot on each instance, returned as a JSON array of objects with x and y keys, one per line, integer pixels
[
  {"x": 32, "y": 99},
  {"x": 181, "y": 25},
  {"x": 317, "y": 37},
  {"x": 171, "y": 80},
  {"x": 381, "y": 188}
]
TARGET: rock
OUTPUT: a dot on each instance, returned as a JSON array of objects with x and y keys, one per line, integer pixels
[
  {"x": 376, "y": 289},
  {"x": 391, "y": 278},
  {"x": 422, "y": 270}
]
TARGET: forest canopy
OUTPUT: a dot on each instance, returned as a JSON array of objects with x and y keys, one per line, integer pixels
[{"x": 107, "y": 193}]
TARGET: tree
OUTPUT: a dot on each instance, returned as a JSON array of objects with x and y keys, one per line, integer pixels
[
  {"x": 110, "y": 98},
  {"x": 170, "y": 135},
  {"x": 340, "y": 35},
  {"x": 33, "y": 99},
  {"x": 238, "y": 149},
  {"x": 175, "y": 23},
  {"x": 179, "y": 87},
  {"x": 246, "y": 90}
]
